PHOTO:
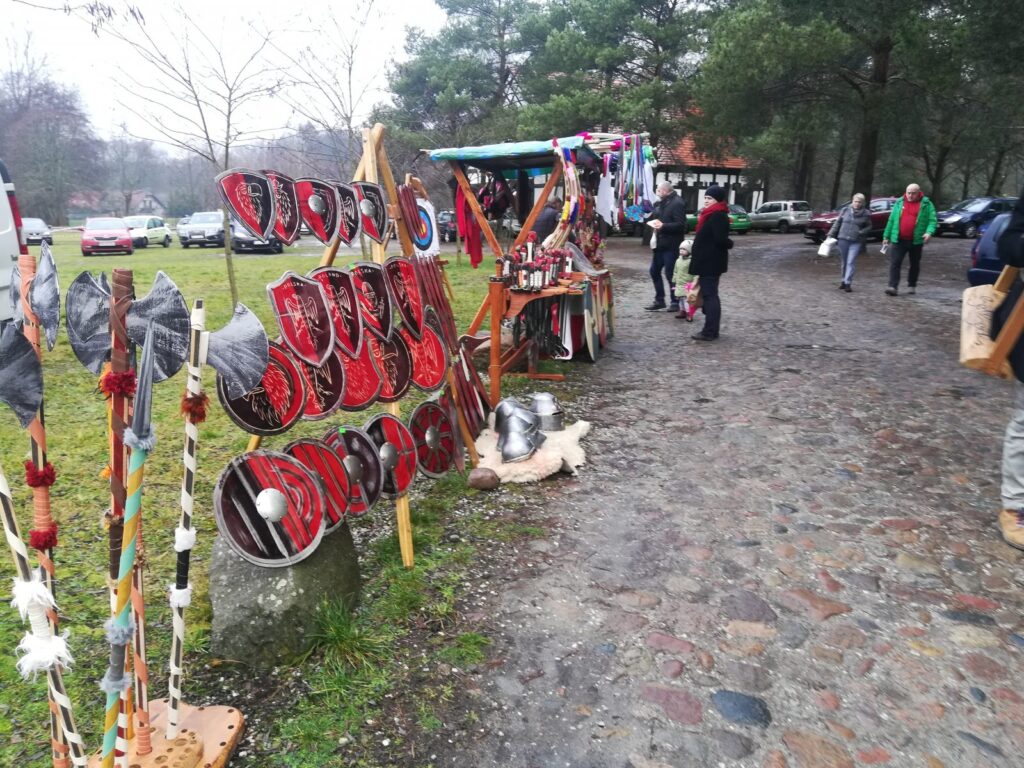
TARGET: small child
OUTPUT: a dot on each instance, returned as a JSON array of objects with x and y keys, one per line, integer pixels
[{"x": 684, "y": 282}]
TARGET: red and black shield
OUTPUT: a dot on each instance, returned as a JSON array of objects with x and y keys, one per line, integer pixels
[
  {"x": 374, "y": 297},
  {"x": 429, "y": 358},
  {"x": 397, "y": 452},
  {"x": 274, "y": 404},
  {"x": 447, "y": 402},
  {"x": 325, "y": 463},
  {"x": 434, "y": 437},
  {"x": 343, "y": 302},
  {"x": 393, "y": 360},
  {"x": 431, "y": 279},
  {"x": 325, "y": 387},
  {"x": 303, "y": 316},
  {"x": 348, "y": 212},
  {"x": 361, "y": 458},
  {"x": 251, "y": 199},
  {"x": 405, "y": 290},
  {"x": 273, "y": 544},
  {"x": 373, "y": 209},
  {"x": 318, "y": 205},
  {"x": 287, "y": 220},
  {"x": 362, "y": 381}
]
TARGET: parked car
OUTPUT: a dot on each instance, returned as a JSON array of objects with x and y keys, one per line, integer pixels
[
  {"x": 148, "y": 230},
  {"x": 965, "y": 217},
  {"x": 11, "y": 243},
  {"x": 880, "y": 208},
  {"x": 243, "y": 242},
  {"x": 447, "y": 226},
  {"x": 106, "y": 234},
  {"x": 985, "y": 263},
  {"x": 204, "y": 228},
  {"x": 180, "y": 226},
  {"x": 739, "y": 220},
  {"x": 783, "y": 215},
  {"x": 35, "y": 231}
]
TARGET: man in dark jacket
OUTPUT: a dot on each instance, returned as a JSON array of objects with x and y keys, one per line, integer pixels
[
  {"x": 710, "y": 258},
  {"x": 668, "y": 223},
  {"x": 1011, "y": 516},
  {"x": 548, "y": 218}
]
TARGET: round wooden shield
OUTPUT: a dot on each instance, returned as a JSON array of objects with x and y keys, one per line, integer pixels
[
  {"x": 429, "y": 358},
  {"x": 394, "y": 361},
  {"x": 434, "y": 437},
  {"x": 255, "y": 538},
  {"x": 362, "y": 462},
  {"x": 362, "y": 380},
  {"x": 397, "y": 452},
  {"x": 276, "y": 403},
  {"x": 322, "y": 460},
  {"x": 325, "y": 386}
]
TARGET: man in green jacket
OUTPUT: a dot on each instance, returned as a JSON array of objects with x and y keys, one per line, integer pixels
[{"x": 911, "y": 225}]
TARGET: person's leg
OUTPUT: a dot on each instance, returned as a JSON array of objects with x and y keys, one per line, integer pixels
[
  {"x": 1011, "y": 518},
  {"x": 668, "y": 260},
  {"x": 851, "y": 261},
  {"x": 655, "y": 272},
  {"x": 897, "y": 250},
  {"x": 712, "y": 306},
  {"x": 843, "y": 246},
  {"x": 915, "y": 266}
]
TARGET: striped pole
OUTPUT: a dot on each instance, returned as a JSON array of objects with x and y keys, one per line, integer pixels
[{"x": 43, "y": 649}]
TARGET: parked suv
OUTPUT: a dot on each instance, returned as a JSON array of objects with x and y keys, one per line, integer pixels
[
  {"x": 11, "y": 244},
  {"x": 203, "y": 228},
  {"x": 148, "y": 230},
  {"x": 879, "y": 210},
  {"x": 783, "y": 215}
]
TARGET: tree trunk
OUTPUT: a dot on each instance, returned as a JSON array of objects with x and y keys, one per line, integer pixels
[
  {"x": 803, "y": 168},
  {"x": 994, "y": 178},
  {"x": 867, "y": 154},
  {"x": 840, "y": 168},
  {"x": 968, "y": 170}
]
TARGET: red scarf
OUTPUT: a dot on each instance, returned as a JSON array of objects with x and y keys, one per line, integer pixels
[{"x": 707, "y": 210}]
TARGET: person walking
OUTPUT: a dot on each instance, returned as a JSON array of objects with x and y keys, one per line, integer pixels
[
  {"x": 851, "y": 230},
  {"x": 910, "y": 226},
  {"x": 710, "y": 258},
  {"x": 668, "y": 223},
  {"x": 548, "y": 218}
]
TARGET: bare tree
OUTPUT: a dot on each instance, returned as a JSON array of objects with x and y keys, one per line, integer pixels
[{"x": 131, "y": 163}]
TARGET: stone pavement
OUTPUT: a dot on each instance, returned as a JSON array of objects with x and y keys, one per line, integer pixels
[{"x": 783, "y": 551}]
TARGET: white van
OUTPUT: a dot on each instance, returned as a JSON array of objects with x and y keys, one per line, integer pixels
[{"x": 11, "y": 245}]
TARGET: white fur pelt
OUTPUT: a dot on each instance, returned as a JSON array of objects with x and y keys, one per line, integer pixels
[{"x": 560, "y": 452}]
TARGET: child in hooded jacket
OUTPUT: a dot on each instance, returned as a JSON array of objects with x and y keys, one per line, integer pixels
[{"x": 684, "y": 282}]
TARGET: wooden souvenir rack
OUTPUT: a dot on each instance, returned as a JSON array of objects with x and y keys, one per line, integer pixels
[{"x": 977, "y": 349}]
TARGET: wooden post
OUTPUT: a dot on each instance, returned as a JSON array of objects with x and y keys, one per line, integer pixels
[
  {"x": 496, "y": 295},
  {"x": 539, "y": 203}
]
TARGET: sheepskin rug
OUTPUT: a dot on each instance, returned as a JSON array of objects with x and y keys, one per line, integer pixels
[{"x": 561, "y": 452}]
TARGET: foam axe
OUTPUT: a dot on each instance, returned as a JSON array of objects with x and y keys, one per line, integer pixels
[{"x": 240, "y": 353}]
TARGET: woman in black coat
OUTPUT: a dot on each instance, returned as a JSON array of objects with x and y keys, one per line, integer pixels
[{"x": 711, "y": 258}]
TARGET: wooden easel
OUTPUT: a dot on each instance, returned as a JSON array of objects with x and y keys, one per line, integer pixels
[{"x": 978, "y": 350}]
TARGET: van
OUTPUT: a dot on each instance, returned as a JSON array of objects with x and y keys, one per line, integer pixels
[{"x": 11, "y": 244}]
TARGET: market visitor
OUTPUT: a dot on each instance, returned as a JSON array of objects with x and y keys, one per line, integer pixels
[
  {"x": 548, "y": 218},
  {"x": 711, "y": 258},
  {"x": 911, "y": 225},
  {"x": 668, "y": 222},
  {"x": 851, "y": 230},
  {"x": 1011, "y": 516},
  {"x": 683, "y": 281}
]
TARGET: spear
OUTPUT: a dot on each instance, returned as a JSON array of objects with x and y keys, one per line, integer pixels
[{"x": 140, "y": 439}]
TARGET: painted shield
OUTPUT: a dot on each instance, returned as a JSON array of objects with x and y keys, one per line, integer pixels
[
  {"x": 434, "y": 437},
  {"x": 250, "y": 197},
  {"x": 276, "y": 403},
  {"x": 429, "y": 358},
  {"x": 394, "y": 361},
  {"x": 447, "y": 402},
  {"x": 348, "y": 212},
  {"x": 360, "y": 456},
  {"x": 397, "y": 452},
  {"x": 405, "y": 290},
  {"x": 300, "y": 305},
  {"x": 327, "y": 466},
  {"x": 318, "y": 206},
  {"x": 374, "y": 297},
  {"x": 344, "y": 306},
  {"x": 373, "y": 209},
  {"x": 287, "y": 220},
  {"x": 325, "y": 387},
  {"x": 259, "y": 540},
  {"x": 362, "y": 381}
]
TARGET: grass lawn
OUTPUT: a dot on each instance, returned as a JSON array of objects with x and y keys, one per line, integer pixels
[{"x": 347, "y": 671}]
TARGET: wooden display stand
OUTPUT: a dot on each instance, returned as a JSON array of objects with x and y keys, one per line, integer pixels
[{"x": 977, "y": 349}]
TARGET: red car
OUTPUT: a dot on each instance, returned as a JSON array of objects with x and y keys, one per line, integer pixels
[
  {"x": 880, "y": 208},
  {"x": 106, "y": 235}
]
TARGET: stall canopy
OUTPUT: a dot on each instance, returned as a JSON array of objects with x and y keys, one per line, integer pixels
[{"x": 518, "y": 155}]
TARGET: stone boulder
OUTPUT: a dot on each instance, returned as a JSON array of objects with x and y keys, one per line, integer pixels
[{"x": 268, "y": 616}]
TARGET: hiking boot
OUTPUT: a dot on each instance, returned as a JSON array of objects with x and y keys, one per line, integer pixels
[
  {"x": 890, "y": 291},
  {"x": 911, "y": 290},
  {"x": 842, "y": 286},
  {"x": 1011, "y": 521},
  {"x": 848, "y": 288},
  {"x": 655, "y": 306}
]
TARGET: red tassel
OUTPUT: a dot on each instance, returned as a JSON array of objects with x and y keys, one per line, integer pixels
[
  {"x": 118, "y": 383},
  {"x": 194, "y": 407},
  {"x": 43, "y": 540},
  {"x": 532, "y": 237},
  {"x": 37, "y": 478}
]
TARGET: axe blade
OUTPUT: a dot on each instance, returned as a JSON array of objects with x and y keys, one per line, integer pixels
[
  {"x": 240, "y": 351},
  {"x": 15, "y": 295},
  {"x": 88, "y": 320},
  {"x": 44, "y": 295},
  {"x": 21, "y": 377},
  {"x": 164, "y": 309}
]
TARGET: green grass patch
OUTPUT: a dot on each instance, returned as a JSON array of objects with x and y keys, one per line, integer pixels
[{"x": 468, "y": 649}]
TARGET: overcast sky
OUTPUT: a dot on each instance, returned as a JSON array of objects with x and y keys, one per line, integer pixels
[{"x": 96, "y": 64}]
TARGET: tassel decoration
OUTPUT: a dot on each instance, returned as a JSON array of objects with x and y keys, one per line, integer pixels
[
  {"x": 39, "y": 478},
  {"x": 114, "y": 383},
  {"x": 194, "y": 407},
  {"x": 43, "y": 540}
]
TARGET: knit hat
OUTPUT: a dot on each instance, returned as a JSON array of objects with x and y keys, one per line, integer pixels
[
  {"x": 715, "y": 191},
  {"x": 686, "y": 245}
]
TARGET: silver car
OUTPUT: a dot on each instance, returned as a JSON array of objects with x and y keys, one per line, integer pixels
[
  {"x": 783, "y": 215},
  {"x": 35, "y": 231}
]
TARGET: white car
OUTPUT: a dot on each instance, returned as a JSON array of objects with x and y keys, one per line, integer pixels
[
  {"x": 148, "y": 230},
  {"x": 204, "y": 228},
  {"x": 35, "y": 231},
  {"x": 10, "y": 240}
]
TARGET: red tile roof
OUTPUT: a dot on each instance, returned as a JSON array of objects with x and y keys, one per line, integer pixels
[{"x": 685, "y": 153}]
